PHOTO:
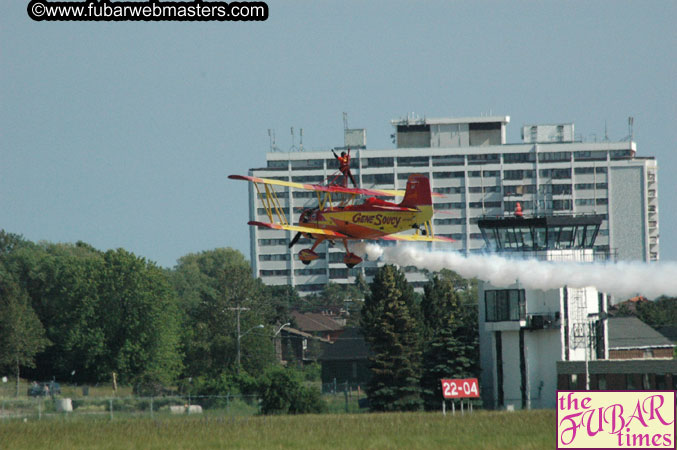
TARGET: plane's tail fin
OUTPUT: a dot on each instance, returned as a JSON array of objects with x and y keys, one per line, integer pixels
[{"x": 417, "y": 193}]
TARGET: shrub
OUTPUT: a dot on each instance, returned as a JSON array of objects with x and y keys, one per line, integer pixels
[{"x": 282, "y": 392}]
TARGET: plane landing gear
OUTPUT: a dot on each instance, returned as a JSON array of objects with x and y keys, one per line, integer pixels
[
  {"x": 351, "y": 260},
  {"x": 307, "y": 256}
]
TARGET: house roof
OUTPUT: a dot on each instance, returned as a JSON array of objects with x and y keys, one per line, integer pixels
[
  {"x": 313, "y": 322},
  {"x": 288, "y": 330},
  {"x": 350, "y": 345},
  {"x": 632, "y": 333}
]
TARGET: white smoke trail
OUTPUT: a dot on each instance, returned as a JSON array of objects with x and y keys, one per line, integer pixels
[{"x": 622, "y": 280}]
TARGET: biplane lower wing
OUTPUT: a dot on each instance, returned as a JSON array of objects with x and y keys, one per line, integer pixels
[
  {"x": 416, "y": 237},
  {"x": 309, "y": 230}
]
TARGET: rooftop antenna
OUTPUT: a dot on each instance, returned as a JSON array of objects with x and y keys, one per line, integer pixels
[
  {"x": 345, "y": 129},
  {"x": 293, "y": 141},
  {"x": 606, "y": 133},
  {"x": 273, "y": 144},
  {"x": 631, "y": 128},
  {"x": 301, "y": 143}
]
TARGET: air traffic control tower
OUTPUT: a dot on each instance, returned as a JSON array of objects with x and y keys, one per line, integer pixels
[{"x": 524, "y": 332}]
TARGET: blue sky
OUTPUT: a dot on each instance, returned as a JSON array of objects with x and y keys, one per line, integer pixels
[{"x": 122, "y": 134}]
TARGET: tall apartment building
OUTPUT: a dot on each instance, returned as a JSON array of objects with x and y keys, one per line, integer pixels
[{"x": 550, "y": 172}]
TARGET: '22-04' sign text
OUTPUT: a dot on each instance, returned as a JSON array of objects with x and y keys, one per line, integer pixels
[{"x": 460, "y": 388}]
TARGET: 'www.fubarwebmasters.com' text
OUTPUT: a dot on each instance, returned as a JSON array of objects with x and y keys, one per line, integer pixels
[{"x": 152, "y": 10}]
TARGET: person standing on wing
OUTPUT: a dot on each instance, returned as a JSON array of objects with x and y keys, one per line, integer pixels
[{"x": 344, "y": 167}]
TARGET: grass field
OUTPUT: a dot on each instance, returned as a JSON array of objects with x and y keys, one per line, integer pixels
[{"x": 482, "y": 429}]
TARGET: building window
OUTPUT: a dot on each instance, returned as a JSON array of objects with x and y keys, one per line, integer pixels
[
  {"x": 449, "y": 190},
  {"x": 404, "y": 176},
  {"x": 319, "y": 179},
  {"x": 309, "y": 271},
  {"x": 379, "y": 178},
  {"x": 513, "y": 158},
  {"x": 505, "y": 305},
  {"x": 556, "y": 174},
  {"x": 307, "y": 164},
  {"x": 561, "y": 205},
  {"x": 554, "y": 156},
  {"x": 280, "y": 257},
  {"x": 517, "y": 174},
  {"x": 452, "y": 205},
  {"x": 449, "y": 221},
  {"x": 413, "y": 161},
  {"x": 274, "y": 273},
  {"x": 278, "y": 164},
  {"x": 272, "y": 242},
  {"x": 599, "y": 155},
  {"x": 335, "y": 257},
  {"x": 519, "y": 189},
  {"x": 486, "y": 158},
  {"x": 338, "y": 273},
  {"x": 379, "y": 162},
  {"x": 448, "y": 160}
]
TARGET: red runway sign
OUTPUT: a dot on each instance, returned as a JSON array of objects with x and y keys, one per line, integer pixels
[{"x": 461, "y": 388}]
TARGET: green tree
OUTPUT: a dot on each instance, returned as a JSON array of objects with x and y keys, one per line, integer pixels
[
  {"x": 103, "y": 312},
  {"x": 284, "y": 298},
  {"x": 390, "y": 328},
  {"x": 21, "y": 333},
  {"x": 659, "y": 312},
  {"x": 211, "y": 286},
  {"x": 451, "y": 339},
  {"x": 139, "y": 320}
]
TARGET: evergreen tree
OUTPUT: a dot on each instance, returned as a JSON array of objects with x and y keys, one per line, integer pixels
[
  {"x": 390, "y": 328},
  {"x": 450, "y": 329}
]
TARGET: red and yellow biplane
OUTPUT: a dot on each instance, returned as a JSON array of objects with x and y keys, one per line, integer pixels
[{"x": 342, "y": 217}]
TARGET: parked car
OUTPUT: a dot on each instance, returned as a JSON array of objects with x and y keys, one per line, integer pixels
[{"x": 43, "y": 389}]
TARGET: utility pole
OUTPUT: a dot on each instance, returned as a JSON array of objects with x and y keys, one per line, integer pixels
[{"x": 239, "y": 336}]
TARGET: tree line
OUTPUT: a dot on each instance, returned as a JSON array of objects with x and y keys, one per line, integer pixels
[
  {"x": 418, "y": 341},
  {"x": 78, "y": 314}
]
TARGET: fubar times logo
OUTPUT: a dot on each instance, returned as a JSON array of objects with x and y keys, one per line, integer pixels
[{"x": 616, "y": 419}]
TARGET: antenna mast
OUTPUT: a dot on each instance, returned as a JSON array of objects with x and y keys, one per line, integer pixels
[
  {"x": 273, "y": 144},
  {"x": 293, "y": 141}
]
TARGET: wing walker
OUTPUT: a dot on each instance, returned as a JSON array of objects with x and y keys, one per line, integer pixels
[{"x": 339, "y": 215}]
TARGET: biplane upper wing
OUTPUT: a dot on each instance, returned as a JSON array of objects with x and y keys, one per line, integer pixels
[
  {"x": 416, "y": 237},
  {"x": 320, "y": 188},
  {"x": 277, "y": 226}
]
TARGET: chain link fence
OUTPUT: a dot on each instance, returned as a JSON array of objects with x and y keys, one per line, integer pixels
[{"x": 124, "y": 407}]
